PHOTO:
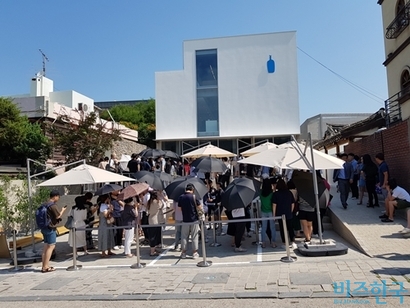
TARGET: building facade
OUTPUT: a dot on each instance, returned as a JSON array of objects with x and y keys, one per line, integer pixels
[
  {"x": 319, "y": 124},
  {"x": 43, "y": 104},
  {"x": 232, "y": 92},
  {"x": 394, "y": 140}
]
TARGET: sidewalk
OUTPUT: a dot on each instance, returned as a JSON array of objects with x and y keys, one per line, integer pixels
[{"x": 257, "y": 273}]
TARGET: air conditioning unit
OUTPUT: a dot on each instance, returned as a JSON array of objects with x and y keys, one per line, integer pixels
[{"x": 82, "y": 107}]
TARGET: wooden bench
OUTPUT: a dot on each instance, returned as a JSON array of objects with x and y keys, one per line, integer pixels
[{"x": 26, "y": 241}]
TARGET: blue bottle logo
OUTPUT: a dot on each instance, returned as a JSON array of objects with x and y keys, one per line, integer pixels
[{"x": 270, "y": 65}]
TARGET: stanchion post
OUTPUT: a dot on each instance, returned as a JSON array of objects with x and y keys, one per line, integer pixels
[
  {"x": 74, "y": 267},
  {"x": 288, "y": 258},
  {"x": 16, "y": 266},
  {"x": 203, "y": 263},
  {"x": 137, "y": 250},
  {"x": 215, "y": 243},
  {"x": 255, "y": 214}
]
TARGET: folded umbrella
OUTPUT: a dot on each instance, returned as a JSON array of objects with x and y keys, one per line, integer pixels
[
  {"x": 150, "y": 178},
  {"x": 133, "y": 190},
  {"x": 239, "y": 193},
  {"x": 177, "y": 187},
  {"x": 108, "y": 188},
  {"x": 209, "y": 164}
]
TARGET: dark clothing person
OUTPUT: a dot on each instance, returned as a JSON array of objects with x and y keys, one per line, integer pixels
[
  {"x": 118, "y": 222},
  {"x": 283, "y": 200},
  {"x": 188, "y": 203},
  {"x": 370, "y": 171},
  {"x": 133, "y": 166}
]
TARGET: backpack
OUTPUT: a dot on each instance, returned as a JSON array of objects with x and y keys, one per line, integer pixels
[
  {"x": 42, "y": 218},
  {"x": 108, "y": 167}
]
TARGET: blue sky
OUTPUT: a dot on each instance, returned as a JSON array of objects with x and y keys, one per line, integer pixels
[{"x": 110, "y": 50}]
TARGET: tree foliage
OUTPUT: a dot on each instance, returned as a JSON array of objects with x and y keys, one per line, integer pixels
[
  {"x": 20, "y": 139},
  {"x": 140, "y": 116},
  {"x": 15, "y": 210},
  {"x": 88, "y": 138}
]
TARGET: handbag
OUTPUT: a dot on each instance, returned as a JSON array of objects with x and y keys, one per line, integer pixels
[
  {"x": 110, "y": 219},
  {"x": 69, "y": 224}
]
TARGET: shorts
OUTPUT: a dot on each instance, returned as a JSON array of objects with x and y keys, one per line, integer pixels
[
  {"x": 49, "y": 235},
  {"x": 402, "y": 204},
  {"x": 305, "y": 215}
]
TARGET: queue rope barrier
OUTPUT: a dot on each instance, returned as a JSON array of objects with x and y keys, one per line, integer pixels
[{"x": 204, "y": 262}]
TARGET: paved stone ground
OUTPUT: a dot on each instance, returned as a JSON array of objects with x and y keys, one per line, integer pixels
[
  {"x": 258, "y": 273},
  {"x": 376, "y": 238}
]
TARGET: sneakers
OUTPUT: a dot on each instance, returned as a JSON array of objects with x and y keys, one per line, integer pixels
[
  {"x": 248, "y": 234},
  {"x": 183, "y": 255},
  {"x": 405, "y": 230},
  {"x": 116, "y": 248},
  {"x": 387, "y": 220},
  {"x": 195, "y": 255},
  {"x": 384, "y": 216},
  {"x": 293, "y": 246},
  {"x": 240, "y": 249},
  {"x": 121, "y": 247},
  {"x": 345, "y": 206}
]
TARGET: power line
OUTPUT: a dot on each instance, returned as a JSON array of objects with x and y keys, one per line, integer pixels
[{"x": 353, "y": 85}]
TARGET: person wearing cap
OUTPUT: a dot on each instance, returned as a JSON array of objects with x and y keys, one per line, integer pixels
[
  {"x": 189, "y": 205},
  {"x": 49, "y": 233}
]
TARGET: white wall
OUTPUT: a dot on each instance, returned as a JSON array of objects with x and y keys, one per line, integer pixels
[
  {"x": 71, "y": 99},
  {"x": 251, "y": 101}
]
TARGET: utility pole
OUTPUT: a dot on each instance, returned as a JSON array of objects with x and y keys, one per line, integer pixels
[{"x": 44, "y": 62}]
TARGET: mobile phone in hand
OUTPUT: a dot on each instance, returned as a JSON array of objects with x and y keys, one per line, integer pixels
[{"x": 65, "y": 206}]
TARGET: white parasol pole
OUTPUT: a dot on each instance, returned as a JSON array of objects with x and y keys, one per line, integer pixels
[{"x": 315, "y": 187}]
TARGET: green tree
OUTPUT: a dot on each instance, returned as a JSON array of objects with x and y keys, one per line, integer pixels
[
  {"x": 87, "y": 138},
  {"x": 20, "y": 139},
  {"x": 140, "y": 116}
]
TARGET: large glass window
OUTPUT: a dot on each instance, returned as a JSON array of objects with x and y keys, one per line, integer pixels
[{"x": 207, "y": 93}]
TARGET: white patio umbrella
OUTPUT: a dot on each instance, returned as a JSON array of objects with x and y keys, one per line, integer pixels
[
  {"x": 292, "y": 155},
  {"x": 85, "y": 174},
  {"x": 286, "y": 156},
  {"x": 260, "y": 148},
  {"x": 209, "y": 150},
  {"x": 124, "y": 161}
]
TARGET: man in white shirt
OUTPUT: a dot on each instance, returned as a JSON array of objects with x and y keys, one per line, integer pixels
[{"x": 397, "y": 198}]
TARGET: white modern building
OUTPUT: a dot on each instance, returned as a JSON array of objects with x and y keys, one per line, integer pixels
[{"x": 233, "y": 92}]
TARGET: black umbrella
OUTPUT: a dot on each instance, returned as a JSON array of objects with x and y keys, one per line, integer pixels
[
  {"x": 165, "y": 177},
  {"x": 150, "y": 178},
  {"x": 107, "y": 188},
  {"x": 209, "y": 164},
  {"x": 170, "y": 154},
  {"x": 239, "y": 193},
  {"x": 304, "y": 185},
  {"x": 177, "y": 187},
  {"x": 152, "y": 153}
]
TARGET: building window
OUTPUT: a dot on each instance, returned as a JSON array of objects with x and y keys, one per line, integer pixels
[
  {"x": 207, "y": 93},
  {"x": 405, "y": 79}
]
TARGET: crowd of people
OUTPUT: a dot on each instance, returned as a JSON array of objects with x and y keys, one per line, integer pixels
[{"x": 279, "y": 196}]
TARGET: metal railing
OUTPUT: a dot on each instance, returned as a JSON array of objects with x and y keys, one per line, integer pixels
[
  {"x": 400, "y": 23},
  {"x": 392, "y": 106}
]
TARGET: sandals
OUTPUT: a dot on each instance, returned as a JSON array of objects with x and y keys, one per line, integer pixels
[
  {"x": 48, "y": 270},
  {"x": 154, "y": 254}
]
